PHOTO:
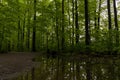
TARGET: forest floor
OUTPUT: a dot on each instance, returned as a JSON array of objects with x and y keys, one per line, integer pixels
[{"x": 11, "y": 64}]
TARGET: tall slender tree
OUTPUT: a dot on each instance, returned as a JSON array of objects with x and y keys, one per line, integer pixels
[
  {"x": 116, "y": 22},
  {"x": 109, "y": 27},
  {"x": 34, "y": 29},
  {"x": 23, "y": 31},
  {"x": 76, "y": 21},
  {"x": 28, "y": 32},
  {"x": 63, "y": 25},
  {"x": 97, "y": 20},
  {"x": 57, "y": 33},
  {"x": 99, "y": 11},
  {"x": 69, "y": 22},
  {"x": 109, "y": 15},
  {"x": 87, "y": 27},
  {"x": 73, "y": 22},
  {"x": 19, "y": 28}
]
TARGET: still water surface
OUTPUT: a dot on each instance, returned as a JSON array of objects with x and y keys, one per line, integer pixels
[{"x": 74, "y": 68}]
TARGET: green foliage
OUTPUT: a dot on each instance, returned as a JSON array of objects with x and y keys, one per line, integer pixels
[{"x": 16, "y": 26}]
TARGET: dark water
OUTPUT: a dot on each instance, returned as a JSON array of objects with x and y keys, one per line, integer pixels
[{"x": 77, "y": 68}]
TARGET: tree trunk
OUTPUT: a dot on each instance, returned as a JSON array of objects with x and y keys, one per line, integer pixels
[
  {"x": 69, "y": 23},
  {"x": 76, "y": 22},
  {"x": 109, "y": 28},
  {"x": 23, "y": 33},
  {"x": 2, "y": 40},
  {"x": 18, "y": 43},
  {"x": 19, "y": 29},
  {"x": 97, "y": 21},
  {"x": 28, "y": 35},
  {"x": 96, "y": 27},
  {"x": 87, "y": 27},
  {"x": 73, "y": 20},
  {"x": 116, "y": 22},
  {"x": 57, "y": 33},
  {"x": 28, "y": 28},
  {"x": 63, "y": 25},
  {"x": 99, "y": 11},
  {"x": 47, "y": 48},
  {"x": 34, "y": 29},
  {"x": 109, "y": 15}
]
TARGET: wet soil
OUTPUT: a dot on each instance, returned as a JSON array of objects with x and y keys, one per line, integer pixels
[{"x": 11, "y": 64}]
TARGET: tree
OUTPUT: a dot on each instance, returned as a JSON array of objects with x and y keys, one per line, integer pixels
[
  {"x": 116, "y": 23},
  {"x": 76, "y": 22},
  {"x": 87, "y": 28},
  {"x": 97, "y": 20},
  {"x": 109, "y": 27},
  {"x": 63, "y": 25},
  {"x": 99, "y": 11},
  {"x": 109, "y": 15},
  {"x": 28, "y": 28},
  {"x": 34, "y": 29},
  {"x": 57, "y": 24},
  {"x": 73, "y": 22},
  {"x": 19, "y": 28}
]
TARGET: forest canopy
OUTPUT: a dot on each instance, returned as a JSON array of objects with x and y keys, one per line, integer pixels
[{"x": 60, "y": 25}]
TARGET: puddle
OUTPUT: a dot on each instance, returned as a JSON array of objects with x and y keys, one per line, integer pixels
[{"x": 66, "y": 68}]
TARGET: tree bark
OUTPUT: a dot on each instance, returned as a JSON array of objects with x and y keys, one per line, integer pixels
[
  {"x": 19, "y": 29},
  {"x": 109, "y": 15},
  {"x": 99, "y": 11},
  {"x": 116, "y": 22},
  {"x": 57, "y": 33},
  {"x": 87, "y": 27},
  {"x": 63, "y": 25},
  {"x": 18, "y": 43},
  {"x": 28, "y": 34},
  {"x": 76, "y": 22},
  {"x": 73, "y": 21},
  {"x": 28, "y": 27},
  {"x": 109, "y": 28},
  {"x": 69, "y": 22},
  {"x": 23, "y": 32},
  {"x": 34, "y": 29}
]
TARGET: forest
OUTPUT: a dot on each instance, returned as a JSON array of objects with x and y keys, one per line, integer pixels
[
  {"x": 59, "y": 39},
  {"x": 80, "y": 26}
]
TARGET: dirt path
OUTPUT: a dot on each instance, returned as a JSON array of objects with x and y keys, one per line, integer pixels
[{"x": 14, "y": 63}]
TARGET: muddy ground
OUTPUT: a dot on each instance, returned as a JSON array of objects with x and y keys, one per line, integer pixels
[{"x": 11, "y": 64}]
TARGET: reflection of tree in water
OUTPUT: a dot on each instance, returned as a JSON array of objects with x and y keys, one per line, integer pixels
[
  {"x": 84, "y": 68},
  {"x": 88, "y": 69}
]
